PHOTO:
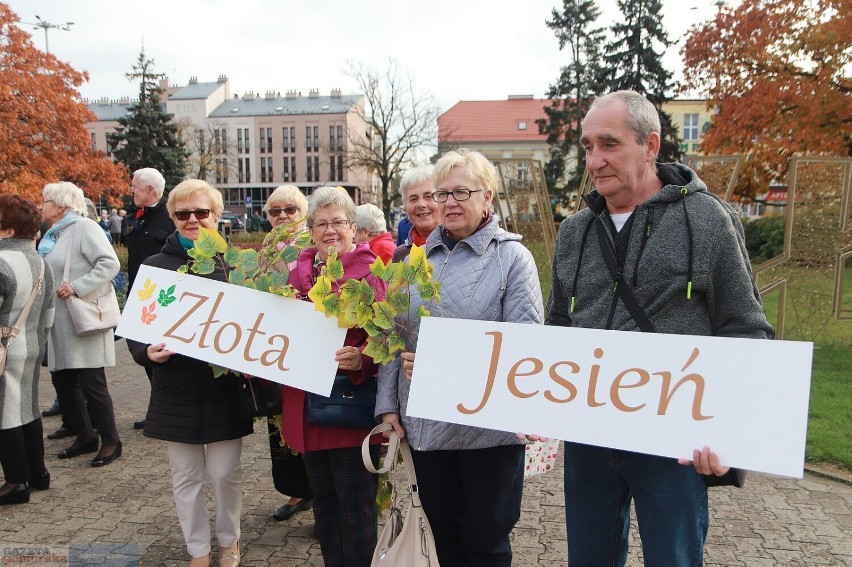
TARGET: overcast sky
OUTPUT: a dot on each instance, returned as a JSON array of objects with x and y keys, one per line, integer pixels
[{"x": 457, "y": 49}]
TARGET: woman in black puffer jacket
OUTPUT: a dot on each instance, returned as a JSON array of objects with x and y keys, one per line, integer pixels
[{"x": 195, "y": 413}]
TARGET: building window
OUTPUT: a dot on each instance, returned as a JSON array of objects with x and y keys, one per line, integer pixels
[
  {"x": 248, "y": 170},
  {"x": 286, "y": 174},
  {"x": 225, "y": 170},
  {"x": 262, "y": 165},
  {"x": 285, "y": 142},
  {"x": 331, "y": 167},
  {"x": 239, "y": 141},
  {"x": 216, "y": 144},
  {"x": 240, "y": 174},
  {"x": 262, "y": 142},
  {"x": 522, "y": 124},
  {"x": 293, "y": 167},
  {"x": 308, "y": 143},
  {"x": 340, "y": 168},
  {"x": 690, "y": 127},
  {"x": 246, "y": 136},
  {"x": 316, "y": 138},
  {"x": 269, "y": 174},
  {"x": 331, "y": 140},
  {"x": 310, "y": 169},
  {"x": 225, "y": 143},
  {"x": 316, "y": 168},
  {"x": 293, "y": 140},
  {"x": 269, "y": 141},
  {"x": 340, "y": 138}
]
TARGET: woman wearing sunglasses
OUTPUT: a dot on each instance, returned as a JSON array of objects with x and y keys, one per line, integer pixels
[
  {"x": 286, "y": 208},
  {"x": 197, "y": 415}
]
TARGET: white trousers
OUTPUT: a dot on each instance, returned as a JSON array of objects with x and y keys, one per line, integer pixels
[{"x": 221, "y": 461}]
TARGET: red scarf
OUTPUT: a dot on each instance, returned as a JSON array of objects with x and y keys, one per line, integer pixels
[{"x": 415, "y": 237}]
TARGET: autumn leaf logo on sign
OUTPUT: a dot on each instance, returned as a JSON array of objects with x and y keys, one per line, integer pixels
[
  {"x": 167, "y": 296},
  {"x": 148, "y": 315},
  {"x": 147, "y": 291}
]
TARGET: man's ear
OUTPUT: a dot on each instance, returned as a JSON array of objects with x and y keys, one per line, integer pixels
[{"x": 653, "y": 146}]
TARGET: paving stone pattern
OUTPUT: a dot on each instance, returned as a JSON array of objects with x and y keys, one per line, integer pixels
[{"x": 128, "y": 504}]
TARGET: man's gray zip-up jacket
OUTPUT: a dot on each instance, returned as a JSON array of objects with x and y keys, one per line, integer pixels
[{"x": 488, "y": 276}]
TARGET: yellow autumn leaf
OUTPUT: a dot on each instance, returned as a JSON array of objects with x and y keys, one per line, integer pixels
[
  {"x": 318, "y": 293},
  {"x": 147, "y": 291}
]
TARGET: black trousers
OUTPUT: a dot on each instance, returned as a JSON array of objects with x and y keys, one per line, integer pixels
[
  {"x": 472, "y": 498},
  {"x": 22, "y": 452},
  {"x": 288, "y": 470},
  {"x": 75, "y": 387}
]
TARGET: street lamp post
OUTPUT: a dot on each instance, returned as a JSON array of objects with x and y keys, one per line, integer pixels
[{"x": 45, "y": 25}]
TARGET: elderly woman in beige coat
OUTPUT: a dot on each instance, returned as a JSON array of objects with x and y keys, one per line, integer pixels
[{"x": 77, "y": 363}]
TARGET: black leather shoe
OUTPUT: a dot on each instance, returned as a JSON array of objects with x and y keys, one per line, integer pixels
[
  {"x": 89, "y": 446},
  {"x": 19, "y": 495},
  {"x": 52, "y": 410},
  {"x": 102, "y": 460},
  {"x": 41, "y": 482},
  {"x": 139, "y": 424},
  {"x": 287, "y": 511},
  {"x": 61, "y": 433}
]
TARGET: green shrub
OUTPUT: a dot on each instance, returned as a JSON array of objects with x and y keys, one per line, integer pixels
[{"x": 764, "y": 238}]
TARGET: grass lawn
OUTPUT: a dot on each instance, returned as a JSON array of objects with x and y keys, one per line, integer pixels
[{"x": 830, "y": 421}]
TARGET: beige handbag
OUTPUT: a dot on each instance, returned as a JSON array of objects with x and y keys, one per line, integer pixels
[
  {"x": 7, "y": 334},
  {"x": 95, "y": 312},
  {"x": 408, "y": 541}
]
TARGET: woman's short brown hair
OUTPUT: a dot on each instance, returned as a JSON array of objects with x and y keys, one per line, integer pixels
[{"x": 20, "y": 214}]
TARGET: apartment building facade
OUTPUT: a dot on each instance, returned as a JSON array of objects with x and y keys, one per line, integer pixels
[{"x": 249, "y": 145}]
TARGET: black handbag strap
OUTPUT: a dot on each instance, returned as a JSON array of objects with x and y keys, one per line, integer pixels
[{"x": 622, "y": 287}]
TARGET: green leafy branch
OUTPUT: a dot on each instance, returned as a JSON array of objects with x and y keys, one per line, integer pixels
[{"x": 354, "y": 302}]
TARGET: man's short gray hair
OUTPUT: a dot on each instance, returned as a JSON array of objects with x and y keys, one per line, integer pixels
[
  {"x": 370, "y": 217},
  {"x": 152, "y": 177},
  {"x": 642, "y": 117}
]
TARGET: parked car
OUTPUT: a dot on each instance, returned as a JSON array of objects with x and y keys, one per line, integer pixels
[{"x": 231, "y": 222}]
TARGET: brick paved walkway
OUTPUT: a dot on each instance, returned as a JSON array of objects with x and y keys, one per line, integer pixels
[{"x": 128, "y": 508}]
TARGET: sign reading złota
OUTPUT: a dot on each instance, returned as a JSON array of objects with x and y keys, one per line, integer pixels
[
  {"x": 265, "y": 335},
  {"x": 651, "y": 393}
]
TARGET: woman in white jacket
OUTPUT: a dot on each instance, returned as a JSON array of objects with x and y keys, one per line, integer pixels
[{"x": 77, "y": 363}]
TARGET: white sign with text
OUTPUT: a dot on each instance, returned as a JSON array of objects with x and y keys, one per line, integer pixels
[
  {"x": 650, "y": 393},
  {"x": 266, "y": 335}
]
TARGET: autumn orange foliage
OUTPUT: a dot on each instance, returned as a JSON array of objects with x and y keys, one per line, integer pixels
[
  {"x": 778, "y": 74},
  {"x": 43, "y": 135}
]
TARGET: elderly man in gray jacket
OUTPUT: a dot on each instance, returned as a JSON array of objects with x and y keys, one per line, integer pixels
[{"x": 653, "y": 252}]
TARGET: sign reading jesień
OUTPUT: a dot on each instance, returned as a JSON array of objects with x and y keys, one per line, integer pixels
[{"x": 652, "y": 393}]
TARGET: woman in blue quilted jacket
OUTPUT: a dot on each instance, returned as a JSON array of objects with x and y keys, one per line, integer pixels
[{"x": 487, "y": 275}]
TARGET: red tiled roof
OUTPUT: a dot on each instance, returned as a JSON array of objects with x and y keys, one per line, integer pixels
[{"x": 492, "y": 120}]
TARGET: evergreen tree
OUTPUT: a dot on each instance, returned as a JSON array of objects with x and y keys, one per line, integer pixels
[
  {"x": 573, "y": 92},
  {"x": 633, "y": 60},
  {"x": 147, "y": 136}
]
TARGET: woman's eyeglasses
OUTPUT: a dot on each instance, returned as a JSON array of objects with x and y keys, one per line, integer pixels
[
  {"x": 337, "y": 225},
  {"x": 458, "y": 195},
  {"x": 199, "y": 214},
  {"x": 276, "y": 211}
]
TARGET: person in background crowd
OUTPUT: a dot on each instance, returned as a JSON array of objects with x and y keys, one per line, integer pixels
[
  {"x": 149, "y": 228},
  {"x": 125, "y": 226},
  {"x": 372, "y": 229},
  {"x": 416, "y": 190},
  {"x": 77, "y": 362},
  {"x": 487, "y": 275},
  {"x": 196, "y": 414},
  {"x": 285, "y": 206},
  {"x": 689, "y": 275},
  {"x": 344, "y": 491},
  {"x": 402, "y": 229},
  {"x": 114, "y": 226},
  {"x": 21, "y": 443}
]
